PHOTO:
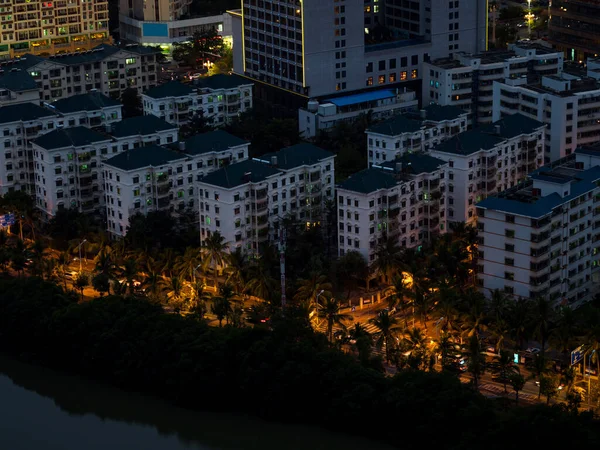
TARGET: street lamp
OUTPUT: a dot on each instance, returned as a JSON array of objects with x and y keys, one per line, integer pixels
[
  {"x": 317, "y": 302},
  {"x": 79, "y": 247},
  {"x": 195, "y": 269}
]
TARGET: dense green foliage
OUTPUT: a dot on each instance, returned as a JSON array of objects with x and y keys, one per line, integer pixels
[{"x": 287, "y": 373}]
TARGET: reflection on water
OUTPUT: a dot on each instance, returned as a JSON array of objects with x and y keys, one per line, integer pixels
[{"x": 44, "y": 410}]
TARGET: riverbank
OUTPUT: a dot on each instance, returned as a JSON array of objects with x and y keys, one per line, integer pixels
[
  {"x": 288, "y": 374},
  {"x": 70, "y": 413}
]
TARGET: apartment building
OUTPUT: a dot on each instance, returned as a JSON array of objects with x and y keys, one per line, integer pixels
[
  {"x": 325, "y": 115},
  {"x": 20, "y": 124},
  {"x": 151, "y": 177},
  {"x": 573, "y": 28},
  {"x": 108, "y": 69},
  {"x": 146, "y": 179},
  {"x": 541, "y": 238},
  {"x": 275, "y": 42},
  {"x": 218, "y": 99},
  {"x": 467, "y": 80},
  {"x": 413, "y": 132},
  {"x": 165, "y": 32},
  {"x": 400, "y": 200},
  {"x": 139, "y": 131},
  {"x": 93, "y": 110},
  {"x": 67, "y": 167},
  {"x": 17, "y": 87},
  {"x": 214, "y": 150},
  {"x": 247, "y": 201},
  {"x": 487, "y": 160},
  {"x": 569, "y": 106},
  {"x": 52, "y": 27}
]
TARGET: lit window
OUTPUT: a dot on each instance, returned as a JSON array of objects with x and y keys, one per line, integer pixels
[
  {"x": 403, "y": 76},
  {"x": 381, "y": 79},
  {"x": 414, "y": 74},
  {"x": 130, "y": 61}
]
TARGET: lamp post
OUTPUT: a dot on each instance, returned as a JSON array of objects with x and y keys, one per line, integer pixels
[
  {"x": 79, "y": 247},
  {"x": 195, "y": 269},
  {"x": 317, "y": 302}
]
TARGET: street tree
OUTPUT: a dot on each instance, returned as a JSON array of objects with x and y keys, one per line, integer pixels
[
  {"x": 388, "y": 327},
  {"x": 517, "y": 381},
  {"x": 81, "y": 282},
  {"x": 330, "y": 310},
  {"x": 101, "y": 283}
]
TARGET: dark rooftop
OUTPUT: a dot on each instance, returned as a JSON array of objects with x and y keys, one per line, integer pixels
[
  {"x": 170, "y": 89},
  {"x": 439, "y": 113},
  {"x": 239, "y": 174},
  {"x": 521, "y": 200},
  {"x": 513, "y": 125},
  {"x": 17, "y": 81},
  {"x": 369, "y": 180},
  {"x": 140, "y": 126},
  {"x": 302, "y": 154},
  {"x": 396, "y": 125},
  {"x": 414, "y": 164},
  {"x": 67, "y": 137},
  {"x": 222, "y": 81},
  {"x": 92, "y": 101},
  {"x": 148, "y": 156},
  {"x": 468, "y": 142},
  {"x": 213, "y": 141},
  {"x": 23, "y": 112}
]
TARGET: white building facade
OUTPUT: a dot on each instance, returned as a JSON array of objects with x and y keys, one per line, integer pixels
[
  {"x": 542, "y": 238},
  {"x": 487, "y": 160},
  {"x": 567, "y": 104},
  {"x": 413, "y": 132},
  {"x": 467, "y": 80},
  {"x": 400, "y": 200},
  {"x": 67, "y": 170},
  {"x": 248, "y": 201},
  {"x": 218, "y": 99}
]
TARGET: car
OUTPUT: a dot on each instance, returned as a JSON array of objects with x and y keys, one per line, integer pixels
[{"x": 532, "y": 351}]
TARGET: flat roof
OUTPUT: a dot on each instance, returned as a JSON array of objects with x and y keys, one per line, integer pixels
[
  {"x": 147, "y": 156},
  {"x": 140, "y": 126},
  {"x": 213, "y": 141},
  {"x": 369, "y": 180},
  {"x": 361, "y": 98},
  {"x": 70, "y": 137},
  {"x": 92, "y": 101},
  {"x": 522, "y": 201},
  {"x": 24, "y": 112},
  {"x": 298, "y": 155},
  {"x": 244, "y": 172}
]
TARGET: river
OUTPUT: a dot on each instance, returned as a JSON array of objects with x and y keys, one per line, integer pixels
[{"x": 41, "y": 409}]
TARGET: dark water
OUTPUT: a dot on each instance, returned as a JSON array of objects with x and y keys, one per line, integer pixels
[{"x": 41, "y": 409}]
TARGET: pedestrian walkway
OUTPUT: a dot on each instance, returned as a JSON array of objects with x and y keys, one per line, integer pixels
[
  {"x": 369, "y": 327},
  {"x": 499, "y": 390}
]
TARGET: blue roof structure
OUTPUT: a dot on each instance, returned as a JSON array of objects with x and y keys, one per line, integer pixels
[
  {"x": 538, "y": 207},
  {"x": 361, "y": 98}
]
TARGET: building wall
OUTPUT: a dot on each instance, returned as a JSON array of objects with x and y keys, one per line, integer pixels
[
  {"x": 218, "y": 106},
  {"x": 51, "y": 27},
  {"x": 406, "y": 212},
  {"x": 382, "y": 148},
  {"x": 110, "y": 76},
  {"x": 251, "y": 214},
  {"x": 70, "y": 178},
  {"x": 572, "y": 119},
  {"x": 471, "y": 178}
]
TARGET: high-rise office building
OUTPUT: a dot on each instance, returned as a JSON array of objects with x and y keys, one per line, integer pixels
[
  {"x": 321, "y": 48},
  {"x": 574, "y": 28},
  {"x": 49, "y": 27}
]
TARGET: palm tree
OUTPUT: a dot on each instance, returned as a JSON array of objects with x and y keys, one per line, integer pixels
[
  {"x": 499, "y": 330},
  {"x": 235, "y": 272},
  {"x": 363, "y": 342},
  {"x": 105, "y": 265},
  {"x": 395, "y": 293},
  {"x": 416, "y": 343},
  {"x": 49, "y": 268},
  {"x": 445, "y": 310},
  {"x": 199, "y": 298},
  {"x": 330, "y": 311},
  {"x": 504, "y": 367},
  {"x": 474, "y": 315},
  {"x": 81, "y": 282},
  {"x": 563, "y": 336},
  {"x": 539, "y": 369},
  {"x": 387, "y": 326},
  {"x": 187, "y": 264},
  {"x": 517, "y": 381},
  {"x": 260, "y": 282},
  {"x": 476, "y": 364},
  {"x": 542, "y": 322},
  {"x": 498, "y": 306},
  {"x": 18, "y": 257},
  {"x": 63, "y": 266},
  {"x": 387, "y": 259},
  {"x": 101, "y": 283},
  {"x": 173, "y": 288},
  {"x": 37, "y": 251},
  {"x": 129, "y": 272},
  {"x": 519, "y": 321},
  {"x": 214, "y": 254},
  {"x": 312, "y": 287}
]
